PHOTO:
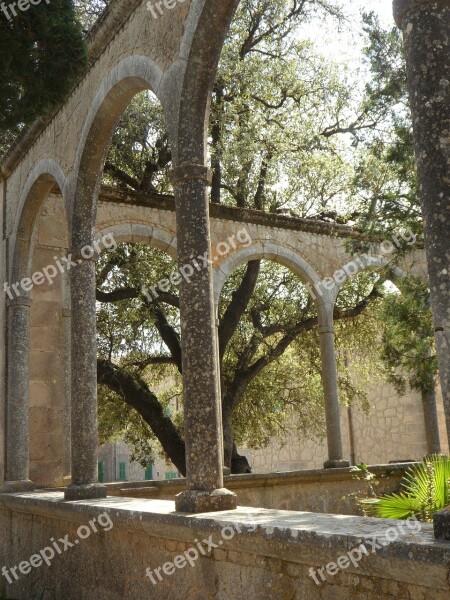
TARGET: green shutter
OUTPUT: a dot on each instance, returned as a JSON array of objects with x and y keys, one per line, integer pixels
[
  {"x": 122, "y": 471},
  {"x": 149, "y": 472},
  {"x": 101, "y": 471}
]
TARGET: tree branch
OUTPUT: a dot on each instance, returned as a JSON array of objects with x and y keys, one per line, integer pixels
[{"x": 135, "y": 392}]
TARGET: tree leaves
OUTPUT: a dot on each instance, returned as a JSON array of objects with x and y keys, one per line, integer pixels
[{"x": 42, "y": 54}]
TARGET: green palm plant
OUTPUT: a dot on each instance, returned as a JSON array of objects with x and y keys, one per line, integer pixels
[{"x": 425, "y": 490}]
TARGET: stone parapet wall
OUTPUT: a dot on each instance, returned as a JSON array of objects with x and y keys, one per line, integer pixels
[
  {"x": 248, "y": 553},
  {"x": 393, "y": 429},
  {"x": 325, "y": 491}
]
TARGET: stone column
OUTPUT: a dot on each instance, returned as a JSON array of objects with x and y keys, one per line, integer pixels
[
  {"x": 426, "y": 28},
  {"x": 330, "y": 387},
  {"x": 84, "y": 382},
  {"x": 226, "y": 470},
  {"x": 203, "y": 428},
  {"x": 18, "y": 402},
  {"x": 66, "y": 389}
]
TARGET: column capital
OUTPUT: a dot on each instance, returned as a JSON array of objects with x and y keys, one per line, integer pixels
[
  {"x": 19, "y": 301},
  {"x": 191, "y": 172},
  {"x": 403, "y": 7}
]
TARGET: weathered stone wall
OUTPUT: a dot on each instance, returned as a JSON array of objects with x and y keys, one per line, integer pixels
[
  {"x": 260, "y": 555},
  {"x": 333, "y": 491},
  {"x": 47, "y": 435},
  {"x": 393, "y": 430}
]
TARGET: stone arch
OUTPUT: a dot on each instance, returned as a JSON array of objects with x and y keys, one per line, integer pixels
[
  {"x": 45, "y": 175},
  {"x": 206, "y": 28},
  {"x": 361, "y": 264},
  {"x": 129, "y": 77},
  {"x": 43, "y": 178},
  {"x": 397, "y": 275},
  {"x": 270, "y": 250},
  {"x": 132, "y": 75},
  {"x": 157, "y": 237}
]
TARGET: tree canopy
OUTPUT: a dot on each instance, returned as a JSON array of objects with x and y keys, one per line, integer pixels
[
  {"x": 290, "y": 133},
  {"x": 42, "y": 53}
]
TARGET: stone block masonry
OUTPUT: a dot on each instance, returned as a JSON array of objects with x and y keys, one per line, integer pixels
[
  {"x": 269, "y": 559},
  {"x": 157, "y": 9}
]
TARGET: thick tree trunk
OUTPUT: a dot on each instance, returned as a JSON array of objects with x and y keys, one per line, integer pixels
[
  {"x": 137, "y": 395},
  {"x": 426, "y": 27},
  {"x": 239, "y": 463},
  {"x": 228, "y": 439}
]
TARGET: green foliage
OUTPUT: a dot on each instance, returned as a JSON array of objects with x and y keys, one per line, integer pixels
[
  {"x": 286, "y": 394},
  {"x": 88, "y": 11},
  {"x": 290, "y": 132},
  {"x": 385, "y": 177},
  {"x": 408, "y": 350},
  {"x": 42, "y": 54},
  {"x": 140, "y": 154},
  {"x": 425, "y": 490}
]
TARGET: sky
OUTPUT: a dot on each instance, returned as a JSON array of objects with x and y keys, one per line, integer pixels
[
  {"x": 345, "y": 46},
  {"x": 384, "y": 9}
]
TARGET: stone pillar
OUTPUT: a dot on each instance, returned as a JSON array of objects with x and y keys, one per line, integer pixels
[
  {"x": 431, "y": 422},
  {"x": 203, "y": 427},
  {"x": 18, "y": 402},
  {"x": 66, "y": 389},
  {"x": 426, "y": 28},
  {"x": 84, "y": 382},
  {"x": 330, "y": 388},
  {"x": 226, "y": 470}
]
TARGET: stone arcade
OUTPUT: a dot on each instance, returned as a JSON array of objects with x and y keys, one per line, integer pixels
[{"x": 176, "y": 57}]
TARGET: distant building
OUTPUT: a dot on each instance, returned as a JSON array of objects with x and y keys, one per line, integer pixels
[{"x": 115, "y": 464}]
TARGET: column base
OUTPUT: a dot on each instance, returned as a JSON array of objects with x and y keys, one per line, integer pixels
[
  {"x": 202, "y": 501},
  {"x": 15, "y": 487},
  {"x": 441, "y": 523},
  {"x": 336, "y": 464},
  {"x": 85, "y": 492}
]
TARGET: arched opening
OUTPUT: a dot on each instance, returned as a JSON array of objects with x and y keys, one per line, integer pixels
[
  {"x": 37, "y": 362},
  {"x": 139, "y": 359},
  {"x": 404, "y": 417},
  {"x": 272, "y": 394},
  {"x": 127, "y": 79}
]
